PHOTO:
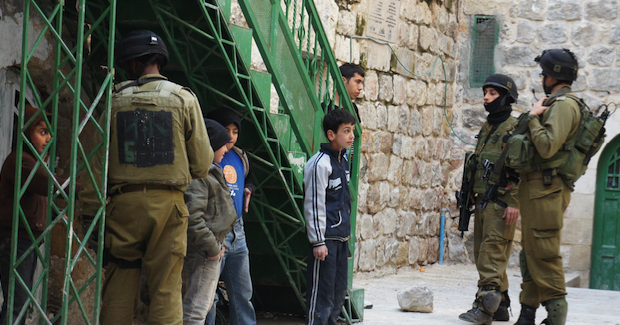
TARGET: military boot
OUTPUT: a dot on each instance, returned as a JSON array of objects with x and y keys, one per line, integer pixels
[
  {"x": 486, "y": 304},
  {"x": 527, "y": 315},
  {"x": 556, "y": 311},
  {"x": 502, "y": 313}
]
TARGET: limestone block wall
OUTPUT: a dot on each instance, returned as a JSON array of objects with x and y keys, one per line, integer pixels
[{"x": 589, "y": 28}]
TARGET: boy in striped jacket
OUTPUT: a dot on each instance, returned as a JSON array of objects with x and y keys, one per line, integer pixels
[{"x": 327, "y": 209}]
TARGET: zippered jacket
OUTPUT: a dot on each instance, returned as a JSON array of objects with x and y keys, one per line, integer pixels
[{"x": 327, "y": 200}]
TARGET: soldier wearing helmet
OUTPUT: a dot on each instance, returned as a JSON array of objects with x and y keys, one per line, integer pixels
[
  {"x": 543, "y": 193},
  {"x": 497, "y": 207},
  {"x": 158, "y": 144}
]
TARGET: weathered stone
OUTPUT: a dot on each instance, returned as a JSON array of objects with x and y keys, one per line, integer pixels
[
  {"x": 553, "y": 33},
  {"x": 526, "y": 31},
  {"x": 394, "y": 197},
  {"x": 414, "y": 35},
  {"x": 371, "y": 86},
  {"x": 433, "y": 250},
  {"x": 384, "y": 191},
  {"x": 386, "y": 90},
  {"x": 601, "y": 55},
  {"x": 518, "y": 55},
  {"x": 422, "y": 258},
  {"x": 581, "y": 83},
  {"x": 408, "y": 9},
  {"x": 407, "y": 149},
  {"x": 395, "y": 170},
  {"x": 393, "y": 118},
  {"x": 366, "y": 229},
  {"x": 378, "y": 56},
  {"x": 362, "y": 193},
  {"x": 368, "y": 114},
  {"x": 456, "y": 249},
  {"x": 474, "y": 118},
  {"x": 405, "y": 63},
  {"x": 402, "y": 254},
  {"x": 414, "y": 250},
  {"x": 404, "y": 119},
  {"x": 380, "y": 252},
  {"x": 368, "y": 254},
  {"x": 397, "y": 144},
  {"x": 418, "y": 298},
  {"x": 374, "y": 199},
  {"x": 424, "y": 64},
  {"x": 583, "y": 33},
  {"x": 532, "y": 9},
  {"x": 328, "y": 12},
  {"x": 427, "y": 121},
  {"x": 381, "y": 116},
  {"x": 390, "y": 218},
  {"x": 343, "y": 50},
  {"x": 415, "y": 122},
  {"x": 410, "y": 171},
  {"x": 377, "y": 224},
  {"x": 377, "y": 165},
  {"x": 400, "y": 89},
  {"x": 346, "y": 23},
  {"x": 406, "y": 219},
  {"x": 391, "y": 249},
  {"x": 605, "y": 80},
  {"x": 402, "y": 38},
  {"x": 564, "y": 10},
  {"x": 614, "y": 37},
  {"x": 386, "y": 142},
  {"x": 601, "y": 9}
]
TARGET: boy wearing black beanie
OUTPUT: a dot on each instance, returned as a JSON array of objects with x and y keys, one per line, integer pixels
[
  {"x": 235, "y": 270},
  {"x": 211, "y": 217}
]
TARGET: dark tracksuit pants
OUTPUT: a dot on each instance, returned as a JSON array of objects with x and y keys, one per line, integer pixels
[{"x": 327, "y": 284}]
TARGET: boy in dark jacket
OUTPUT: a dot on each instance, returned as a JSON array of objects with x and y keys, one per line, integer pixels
[
  {"x": 235, "y": 270},
  {"x": 327, "y": 208},
  {"x": 34, "y": 206},
  {"x": 211, "y": 217}
]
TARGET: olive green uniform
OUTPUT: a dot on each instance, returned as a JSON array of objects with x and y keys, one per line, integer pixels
[
  {"x": 492, "y": 236},
  {"x": 543, "y": 206},
  {"x": 158, "y": 143}
]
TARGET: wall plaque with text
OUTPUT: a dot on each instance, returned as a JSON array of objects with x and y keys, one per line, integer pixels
[{"x": 383, "y": 19}]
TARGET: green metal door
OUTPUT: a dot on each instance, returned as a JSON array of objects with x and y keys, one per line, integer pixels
[{"x": 605, "y": 269}]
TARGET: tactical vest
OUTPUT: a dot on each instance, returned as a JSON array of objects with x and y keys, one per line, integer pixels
[
  {"x": 147, "y": 135},
  {"x": 489, "y": 149},
  {"x": 570, "y": 162}
]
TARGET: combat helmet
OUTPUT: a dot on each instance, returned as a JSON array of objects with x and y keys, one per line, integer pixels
[
  {"x": 504, "y": 82},
  {"x": 560, "y": 64},
  {"x": 140, "y": 43}
]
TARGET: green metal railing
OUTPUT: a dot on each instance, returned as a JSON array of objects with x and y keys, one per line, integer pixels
[
  {"x": 305, "y": 73},
  {"x": 68, "y": 82}
]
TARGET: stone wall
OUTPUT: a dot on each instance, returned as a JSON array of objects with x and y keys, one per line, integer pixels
[
  {"x": 408, "y": 157},
  {"x": 589, "y": 28}
]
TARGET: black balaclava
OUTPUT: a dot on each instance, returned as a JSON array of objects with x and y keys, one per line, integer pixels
[{"x": 498, "y": 109}]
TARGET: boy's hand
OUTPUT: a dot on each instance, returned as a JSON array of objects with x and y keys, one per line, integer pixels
[
  {"x": 320, "y": 252},
  {"x": 246, "y": 198},
  {"x": 218, "y": 256}
]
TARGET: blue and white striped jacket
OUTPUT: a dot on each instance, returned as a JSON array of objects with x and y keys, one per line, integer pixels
[{"x": 327, "y": 200}]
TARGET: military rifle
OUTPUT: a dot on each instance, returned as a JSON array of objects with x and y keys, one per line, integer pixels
[{"x": 465, "y": 198}]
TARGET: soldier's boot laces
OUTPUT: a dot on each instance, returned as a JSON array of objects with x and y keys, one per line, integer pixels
[
  {"x": 556, "y": 311},
  {"x": 502, "y": 314},
  {"x": 527, "y": 315},
  {"x": 486, "y": 304}
]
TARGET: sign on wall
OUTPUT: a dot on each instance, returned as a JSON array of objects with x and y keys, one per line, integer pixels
[{"x": 383, "y": 19}]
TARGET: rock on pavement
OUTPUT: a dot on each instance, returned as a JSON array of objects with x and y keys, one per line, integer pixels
[{"x": 418, "y": 298}]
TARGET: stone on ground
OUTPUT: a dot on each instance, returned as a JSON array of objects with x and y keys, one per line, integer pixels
[{"x": 418, "y": 298}]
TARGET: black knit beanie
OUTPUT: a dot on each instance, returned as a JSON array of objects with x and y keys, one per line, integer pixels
[
  {"x": 218, "y": 136},
  {"x": 225, "y": 116}
]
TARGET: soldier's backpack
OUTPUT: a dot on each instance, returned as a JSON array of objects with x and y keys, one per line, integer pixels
[{"x": 573, "y": 157}]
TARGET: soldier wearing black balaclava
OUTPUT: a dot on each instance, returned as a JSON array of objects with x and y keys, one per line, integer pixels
[{"x": 495, "y": 215}]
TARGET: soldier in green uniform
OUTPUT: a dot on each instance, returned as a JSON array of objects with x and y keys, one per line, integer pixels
[
  {"x": 544, "y": 192},
  {"x": 497, "y": 207},
  {"x": 158, "y": 144}
]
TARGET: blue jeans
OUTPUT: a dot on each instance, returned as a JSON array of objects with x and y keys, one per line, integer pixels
[
  {"x": 26, "y": 271},
  {"x": 200, "y": 277},
  {"x": 235, "y": 273}
]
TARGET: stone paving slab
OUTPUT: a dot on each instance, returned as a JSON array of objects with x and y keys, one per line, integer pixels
[{"x": 454, "y": 287}]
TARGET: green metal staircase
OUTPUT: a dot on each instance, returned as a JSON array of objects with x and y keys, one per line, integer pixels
[{"x": 211, "y": 57}]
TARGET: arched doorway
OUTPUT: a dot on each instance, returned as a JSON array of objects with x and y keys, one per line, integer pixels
[{"x": 605, "y": 268}]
